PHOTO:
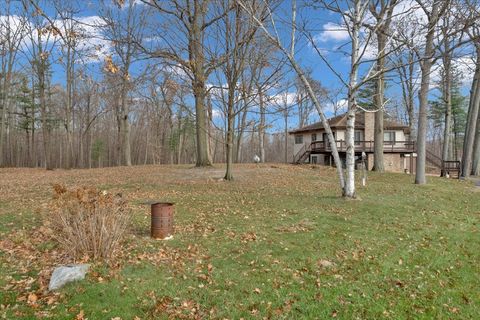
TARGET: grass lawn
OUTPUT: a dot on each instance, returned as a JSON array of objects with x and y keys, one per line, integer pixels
[{"x": 276, "y": 243}]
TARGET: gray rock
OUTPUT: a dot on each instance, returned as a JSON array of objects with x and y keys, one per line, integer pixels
[{"x": 68, "y": 273}]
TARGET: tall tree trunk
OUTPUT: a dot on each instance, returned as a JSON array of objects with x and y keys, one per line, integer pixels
[
  {"x": 197, "y": 59},
  {"x": 472, "y": 116},
  {"x": 209, "y": 130},
  {"x": 378, "y": 162},
  {"x": 69, "y": 107},
  {"x": 349, "y": 191},
  {"x": 180, "y": 133},
  {"x": 5, "y": 105},
  {"x": 425, "y": 66},
  {"x": 33, "y": 154},
  {"x": 407, "y": 75},
  {"x": 201, "y": 120},
  {"x": 285, "y": 119},
  {"x": 241, "y": 128},
  {"x": 447, "y": 99},
  {"x": 422, "y": 123},
  {"x": 230, "y": 128},
  {"x": 126, "y": 140},
  {"x": 350, "y": 151},
  {"x": 476, "y": 151},
  {"x": 124, "y": 121},
  {"x": 41, "y": 73},
  {"x": 261, "y": 129}
]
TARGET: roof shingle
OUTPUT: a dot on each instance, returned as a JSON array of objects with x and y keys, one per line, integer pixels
[{"x": 340, "y": 122}]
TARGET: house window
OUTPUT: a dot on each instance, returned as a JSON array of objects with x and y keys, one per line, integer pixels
[
  {"x": 298, "y": 139},
  {"x": 314, "y": 137},
  {"x": 325, "y": 138},
  {"x": 358, "y": 137},
  {"x": 389, "y": 137}
]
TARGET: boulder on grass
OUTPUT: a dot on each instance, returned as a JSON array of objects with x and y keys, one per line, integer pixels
[{"x": 68, "y": 273}]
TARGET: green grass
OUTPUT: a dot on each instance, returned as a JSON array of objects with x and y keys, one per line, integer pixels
[{"x": 252, "y": 249}]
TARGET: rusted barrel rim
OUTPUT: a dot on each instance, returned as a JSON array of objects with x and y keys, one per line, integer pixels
[{"x": 162, "y": 204}]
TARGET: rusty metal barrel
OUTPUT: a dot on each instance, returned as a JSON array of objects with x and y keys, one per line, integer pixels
[{"x": 162, "y": 220}]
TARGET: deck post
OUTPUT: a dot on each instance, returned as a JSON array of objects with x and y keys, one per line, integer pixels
[{"x": 411, "y": 163}]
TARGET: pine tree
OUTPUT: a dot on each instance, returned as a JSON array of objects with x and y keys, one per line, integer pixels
[
  {"x": 459, "y": 112},
  {"x": 27, "y": 111},
  {"x": 366, "y": 94}
]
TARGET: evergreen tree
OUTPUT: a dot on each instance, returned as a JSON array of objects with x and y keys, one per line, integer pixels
[
  {"x": 366, "y": 94},
  {"x": 459, "y": 111}
]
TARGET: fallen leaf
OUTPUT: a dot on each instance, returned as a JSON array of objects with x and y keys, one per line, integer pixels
[
  {"x": 32, "y": 298},
  {"x": 80, "y": 315}
]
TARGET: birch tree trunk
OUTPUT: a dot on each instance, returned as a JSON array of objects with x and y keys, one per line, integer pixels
[{"x": 350, "y": 130}]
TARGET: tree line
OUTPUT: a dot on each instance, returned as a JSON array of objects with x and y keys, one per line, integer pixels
[{"x": 204, "y": 81}]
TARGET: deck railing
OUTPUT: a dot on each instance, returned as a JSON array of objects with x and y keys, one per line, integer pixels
[{"x": 366, "y": 146}]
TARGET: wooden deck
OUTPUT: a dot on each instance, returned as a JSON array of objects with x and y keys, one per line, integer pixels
[
  {"x": 363, "y": 146},
  {"x": 360, "y": 146},
  {"x": 446, "y": 167}
]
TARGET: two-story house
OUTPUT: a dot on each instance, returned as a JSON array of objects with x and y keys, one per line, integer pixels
[{"x": 311, "y": 143}]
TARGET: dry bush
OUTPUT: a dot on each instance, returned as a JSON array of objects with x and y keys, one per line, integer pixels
[{"x": 88, "y": 223}]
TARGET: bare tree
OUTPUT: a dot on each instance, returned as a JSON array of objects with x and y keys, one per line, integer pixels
[
  {"x": 447, "y": 86},
  {"x": 239, "y": 37},
  {"x": 185, "y": 47},
  {"x": 407, "y": 78},
  {"x": 69, "y": 42},
  {"x": 123, "y": 27},
  {"x": 426, "y": 58},
  {"x": 290, "y": 55},
  {"x": 43, "y": 36},
  {"x": 361, "y": 33},
  {"x": 12, "y": 33}
]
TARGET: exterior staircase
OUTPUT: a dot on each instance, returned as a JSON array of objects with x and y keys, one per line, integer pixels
[
  {"x": 302, "y": 154},
  {"x": 446, "y": 167}
]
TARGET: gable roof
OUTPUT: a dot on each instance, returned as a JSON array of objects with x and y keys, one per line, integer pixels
[{"x": 340, "y": 122}]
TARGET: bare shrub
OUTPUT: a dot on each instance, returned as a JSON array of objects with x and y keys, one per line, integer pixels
[{"x": 88, "y": 223}]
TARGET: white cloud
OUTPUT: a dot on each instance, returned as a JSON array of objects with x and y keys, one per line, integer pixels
[
  {"x": 217, "y": 114},
  {"x": 91, "y": 41},
  {"x": 339, "y": 106},
  {"x": 283, "y": 99},
  {"x": 17, "y": 26},
  {"x": 333, "y": 32},
  {"x": 177, "y": 71}
]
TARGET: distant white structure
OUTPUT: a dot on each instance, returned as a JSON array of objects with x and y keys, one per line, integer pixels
[{"x": 256, "y": 159}]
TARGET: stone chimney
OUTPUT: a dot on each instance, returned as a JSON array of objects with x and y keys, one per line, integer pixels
[{"x": 369, "y": 125}]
